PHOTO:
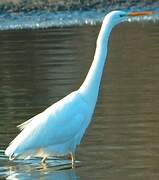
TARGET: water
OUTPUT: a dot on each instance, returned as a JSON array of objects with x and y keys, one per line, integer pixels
[{"x": 38, "y": 67}]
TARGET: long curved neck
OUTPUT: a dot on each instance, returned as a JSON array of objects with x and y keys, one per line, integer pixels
[{"x": 90, "y": 87}]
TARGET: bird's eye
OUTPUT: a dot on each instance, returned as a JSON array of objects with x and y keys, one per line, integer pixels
[{"x": 121, "y": 15}]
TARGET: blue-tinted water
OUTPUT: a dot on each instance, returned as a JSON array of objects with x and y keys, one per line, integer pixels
[{"x": 46, "y": 19}]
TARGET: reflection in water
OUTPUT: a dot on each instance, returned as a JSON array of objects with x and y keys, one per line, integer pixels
[
  {"x": 42, "y": 174},
  {"x": 33, "y": 169},
  {"x": 39, "y": 67}
]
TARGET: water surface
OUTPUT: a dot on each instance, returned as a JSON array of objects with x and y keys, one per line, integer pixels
[{"x": 38, "y": 67}]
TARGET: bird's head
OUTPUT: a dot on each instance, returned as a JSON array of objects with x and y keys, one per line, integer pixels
[
  {"x": 113, "y": 18},
  {"x": 116, "y": 17}
]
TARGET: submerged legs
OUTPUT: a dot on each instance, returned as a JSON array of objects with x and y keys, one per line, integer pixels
[{"x": 71, "y": 156}]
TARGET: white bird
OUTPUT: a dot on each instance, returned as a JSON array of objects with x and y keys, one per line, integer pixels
[{"x": 59, "y": 129}]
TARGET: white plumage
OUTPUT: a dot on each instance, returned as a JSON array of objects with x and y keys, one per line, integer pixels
[
  {"x": 55, "y": 131},
  {"x": 59, "y": 129}
]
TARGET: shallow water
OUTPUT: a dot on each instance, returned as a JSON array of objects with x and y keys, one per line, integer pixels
[{"x": 38, "y": 67}]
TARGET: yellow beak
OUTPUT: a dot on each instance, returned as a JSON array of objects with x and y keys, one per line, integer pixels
[{"x": 144, "y": 13}]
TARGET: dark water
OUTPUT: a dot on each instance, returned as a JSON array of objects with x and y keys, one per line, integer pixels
[{"x": 38, "y": 67}]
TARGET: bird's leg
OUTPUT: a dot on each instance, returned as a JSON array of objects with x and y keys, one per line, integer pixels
[
  {"x": 71, "y": 156},
  {"x": 44, "y": 159}
]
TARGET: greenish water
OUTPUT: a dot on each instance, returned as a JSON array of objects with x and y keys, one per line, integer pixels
[{"x": 38, "y": 67}]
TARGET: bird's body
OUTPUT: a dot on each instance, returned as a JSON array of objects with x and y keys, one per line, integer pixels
[
  {"x": 56, "y": 131},
  {"x": 59, "y": 129}
]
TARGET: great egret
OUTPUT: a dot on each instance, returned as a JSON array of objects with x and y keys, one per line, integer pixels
[{"x": 59, "y": 129}]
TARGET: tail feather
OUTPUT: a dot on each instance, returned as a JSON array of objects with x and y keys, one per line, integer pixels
[
  {"x": 12, "y": 157},
  {"x": 12, "y": 150}
]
